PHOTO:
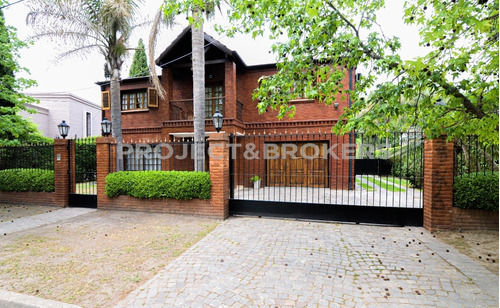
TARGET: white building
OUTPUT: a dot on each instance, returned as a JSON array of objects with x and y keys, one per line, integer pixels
[{"x": 83, "y": 117}]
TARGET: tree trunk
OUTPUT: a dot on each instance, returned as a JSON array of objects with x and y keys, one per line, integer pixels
[
  {"x": 198, "y": 58},
  {"x": 116, "y": 116}
]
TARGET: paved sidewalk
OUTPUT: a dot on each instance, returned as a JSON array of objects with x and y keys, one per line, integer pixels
[
  {"x": 267, "y": 262},
  {"x": 16, "y": 300},
  {"x": 34, "y": 221}
]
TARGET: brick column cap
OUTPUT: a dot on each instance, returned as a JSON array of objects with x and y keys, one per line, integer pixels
[
  {"x": 106, "y": 140},
  {"x": 218, "y": 137},
  {"x": 61, "y": 141}
]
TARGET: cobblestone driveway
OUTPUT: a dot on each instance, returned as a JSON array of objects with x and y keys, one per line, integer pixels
[{"x": 267, "y": 262}]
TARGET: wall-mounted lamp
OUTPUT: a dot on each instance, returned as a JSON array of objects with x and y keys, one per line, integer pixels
[{"x": 336, "y": 105}]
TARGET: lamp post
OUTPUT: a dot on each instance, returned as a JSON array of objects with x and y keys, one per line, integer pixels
[
  {"x": 217, "y": 119},
  {"x": 106, "y": 127},
  {"x": 63, "y": 129}
]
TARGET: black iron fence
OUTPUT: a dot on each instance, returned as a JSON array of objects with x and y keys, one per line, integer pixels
[
  {"x": 173, "y": 155},
  {"x": 85, "y": 177},
  {"x": 29, "y": 156},
  {"x": 321, "y": 168},
  {"x": 472, "y": 156}
]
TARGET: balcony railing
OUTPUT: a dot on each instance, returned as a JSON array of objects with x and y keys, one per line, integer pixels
[{"x": 182, "y": 109}]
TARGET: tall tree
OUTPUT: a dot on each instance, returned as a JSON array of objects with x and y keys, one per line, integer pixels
[
  {"x": 195, "y": 9},
  {"x": 14, "y": 129},
  {"x": 452, "y": 88},
  {"x": 102, "y": 25},
  {"x": 139, "y": 65}
]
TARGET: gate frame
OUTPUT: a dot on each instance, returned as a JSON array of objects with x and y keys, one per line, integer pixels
[
  {"x": 399, "y": 216},
  {"x": 74, "y": 199}
]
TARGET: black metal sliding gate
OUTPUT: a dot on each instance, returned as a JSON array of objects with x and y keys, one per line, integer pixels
[
  {"x": 83, "y": 173},
  {"x": 352, "y": 178}
]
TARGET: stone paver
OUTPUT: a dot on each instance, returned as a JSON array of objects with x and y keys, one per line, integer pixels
[
  {"x": 28, "y": 222},
  {"x": 250, "y": 262}
]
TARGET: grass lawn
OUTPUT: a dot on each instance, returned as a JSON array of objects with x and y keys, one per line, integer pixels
[
  {"x": 398, "y": 181},
  {"x": 364, "y": 185},
  {"x": 384, "y": 184}
]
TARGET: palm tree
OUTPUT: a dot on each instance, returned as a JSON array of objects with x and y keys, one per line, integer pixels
[
  {"x": 198, "y": 58},
  {"x": 87, "y": 25},
  {"x": 169, "y": 10}
]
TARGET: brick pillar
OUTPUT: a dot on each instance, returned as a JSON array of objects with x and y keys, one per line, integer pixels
[
  {"x": 438, "y": 184},
  {"x": 61, "y": 168},
  {"x": 106, "y": 158},
  {"x": 219, "y": 174},
  {"x": 230, "y": 90}
]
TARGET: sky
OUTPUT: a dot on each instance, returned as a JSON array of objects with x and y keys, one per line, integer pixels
[{"x": 78, "y": 75}]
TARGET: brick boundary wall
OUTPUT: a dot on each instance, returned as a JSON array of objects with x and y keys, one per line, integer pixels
[
  {"x": 61, "y": 190},
  {"x": 27, "y": 198},
  {"x": 474, "y": 219},
  {"x": 439, "y": 213},
  {"x": 216, "y": 207}
]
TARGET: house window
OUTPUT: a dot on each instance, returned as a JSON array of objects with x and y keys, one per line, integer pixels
[
  {"x": 88, "y": 123},
  {"x": 134, "y": 100},
  {"x": 214, "y": 100}
]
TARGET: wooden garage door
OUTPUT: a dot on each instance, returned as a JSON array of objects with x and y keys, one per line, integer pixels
[{"x": 306, "y": 168}]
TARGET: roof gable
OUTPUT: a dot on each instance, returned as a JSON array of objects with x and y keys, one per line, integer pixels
[{"x": 179, "y": 51}]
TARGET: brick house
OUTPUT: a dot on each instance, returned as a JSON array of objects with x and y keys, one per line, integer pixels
[{"x": 229, "y": 86}]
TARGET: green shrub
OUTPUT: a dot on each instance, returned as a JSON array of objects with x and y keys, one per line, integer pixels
[
  {"x": 476, "y": 191},
  {"x": 27, "y": 180},
  {"x": 159, "y": 184}
]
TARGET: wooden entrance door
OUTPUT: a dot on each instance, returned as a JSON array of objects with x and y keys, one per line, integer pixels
[{"x": 306, "y": 167}]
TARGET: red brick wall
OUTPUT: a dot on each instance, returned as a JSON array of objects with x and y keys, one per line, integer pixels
[
  {"x": 438, "y": 184},
  {"x": 474, "y": 219},
  {"x": 305, "y": 110},
  {"x": 61, "y": 182},
  {"x": 61, "y": 165},
  {"x": 29, "y": 198},
  {"x": 217, "y": 206},
  {"x": 439, "y": 212},
  {"x": 190, "y": 207}
]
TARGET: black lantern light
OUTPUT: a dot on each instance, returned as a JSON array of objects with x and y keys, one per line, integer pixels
[
  {"x": 217, "y": 118},
  {"x": 63, "y": 129},
  {"x": 106, "y": 127}
]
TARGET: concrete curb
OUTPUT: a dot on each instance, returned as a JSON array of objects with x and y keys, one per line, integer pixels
[{"x": 16, "y": 300}]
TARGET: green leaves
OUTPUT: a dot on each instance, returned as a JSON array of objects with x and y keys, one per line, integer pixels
[
  {"x": 139, "y": 65},
  {"x": 14, "y": 129},
  {"x": 159, "y": 184},
  {"x": 460, "y": 66},
  {"x": 38, "y": 180},
  {"x": 476, "y": 190}
]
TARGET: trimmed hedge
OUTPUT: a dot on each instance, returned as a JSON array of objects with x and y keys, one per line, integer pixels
[
  {"x": 476, "y": 191},
  {"x": 27, "y": 180},
  {"x": 183, "y": 185}
]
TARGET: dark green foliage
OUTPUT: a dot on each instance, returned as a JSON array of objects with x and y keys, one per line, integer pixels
[
  {"x": 476, "y": 191},
  {"x": 85, "y": 159},
  {"x": 159, "y": 184},
  {"x": 14, "y": 129},
  {"x": 407, "y": 161},
  {"x": 410, "y": 170},
  {"x": 39, "y": 156},
  {"x": 139, "y": 65},
  {"x": 27, "y": 180}
]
